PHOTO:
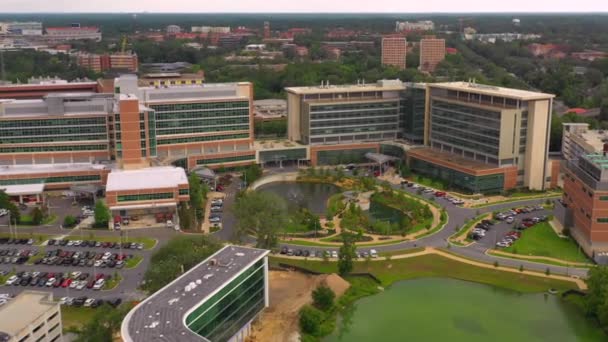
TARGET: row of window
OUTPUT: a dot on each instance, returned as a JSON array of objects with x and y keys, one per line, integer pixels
[
  {"x": 184, "y": 192},
  {"x": 202, "y": 114},
  {"x": 191, "y": 106},
  {"x": 165, "y": 132},
  {"x": 225, "y": 160},
  {"x": 350, "y": 130},
  {"x": 203, "y": 138},
  {"x": 73, "y": 130},
  {"x": 53, "y": 122},
  {"x": 64, "y": 179},
  {"x": 55, "y": 138},
  {"x": 144, "y": 197},
  {"x": 61, "y": 148},
  {"x": 354, "y": 106},
  {"x": 202, "y": 123}
]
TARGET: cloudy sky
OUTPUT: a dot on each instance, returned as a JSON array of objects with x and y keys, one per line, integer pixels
[{"x": 264, "y": 6}]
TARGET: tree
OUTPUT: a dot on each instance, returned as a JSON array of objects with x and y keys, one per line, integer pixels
[
  {"x": 346, "y": 255},
  {"x": 323, "y": 297},
  {"x": 197, "y": 198},
  {"x": 182, "y": 251},
  {"x": 5, "y": 203},
  {"x": 261, "y": 213},
  {"x": 104, "y": 324},
  {"x": 596, "y": 300},
  {"x": 251, "y": 173},
  {"x": 37, "y": 216},
  {"x": 102, "y": 214},
  {"x": 310, "y": 320},
  {"x": 69, "y": 221}
]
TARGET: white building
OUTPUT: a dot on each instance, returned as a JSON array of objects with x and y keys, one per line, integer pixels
[
  {"x": 423, "y": 25},
  {"x": 173, "y": 29},
  {"x": 31, "y": 316},
  {"x": 28, "y": 28},
  {"x": 210, "y": 29}
]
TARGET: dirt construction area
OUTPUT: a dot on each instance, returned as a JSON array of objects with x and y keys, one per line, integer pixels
[{"x": 289, "y": 291}]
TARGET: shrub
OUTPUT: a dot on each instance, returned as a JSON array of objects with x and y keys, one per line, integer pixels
[
  {"x": 323, "y": 297},
  {"x": 310, "y": 320},
  {"x": 495, "y": 263},
  {"x": 521, "y": 268},
  {"x": 69, "y": 221}
]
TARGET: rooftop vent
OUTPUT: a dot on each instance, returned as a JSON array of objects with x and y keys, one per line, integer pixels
[{"x": 239, "y": 254}]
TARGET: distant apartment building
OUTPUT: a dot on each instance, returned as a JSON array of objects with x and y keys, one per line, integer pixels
[
  {"x": 31, "y": 316},
  {"x": 424, "y": 25},
  {"x": 432, "y": 52},
  {"x": 168, "y": 79},
  {"x": 210, "y": 29},
  {"x": 29, "y": 28},
  {"x": 267, "y": 32},
  {"x": 486, "y": 139},
  {"x": 73, "y": 32},
  {"x": 394, "y": 51},
  {"x": 547, "y": 50},
  {"x": 105, "y": 62},
  {"x": 589, "y": 55}
]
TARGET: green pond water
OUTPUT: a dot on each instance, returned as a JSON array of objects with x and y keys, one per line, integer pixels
[{"x": 435, "y": 309}]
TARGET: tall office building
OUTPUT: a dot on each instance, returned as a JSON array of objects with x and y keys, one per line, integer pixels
[
  {"x": 267, "y": 33},
  {"x": 31, "y": 316},
  {"x": 216, "y": 300},
  {"x": 342, "y": 123},
  {"x": 432, "y": 52},
  {"x": 394, "y": 51},
  {"x": 486, "y": 139}
]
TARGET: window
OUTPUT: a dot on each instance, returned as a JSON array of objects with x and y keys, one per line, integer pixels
[
  {"x": 602, "y": 220},
  {"x": 53, "y": 316},
  {"x": 603, "y": 198},
  {"x": 24, "y": 338},
  {"x": 65, "y": 179},
  {"x": 225, "y": 160},
  {"x": 38, "y": 327},
  {"x": 145, "y": 197},
  {"x": 184, "y": 192}
]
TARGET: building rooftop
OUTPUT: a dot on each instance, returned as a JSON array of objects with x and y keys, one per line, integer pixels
[
  {"x": 148, "y": 178},
  {"x": 519, "y": 94},
  {"x": 270, "y": 145},
  {"x": 23, "y": 189},
  {"x": 21, "y": 310},
  {"x": 459, "y": 162},
  {"x": 599, "y": 159},
  {"x": 6, "y": 170},
  {"x": 161, "y": 316},
  {"x": 382, "y": 85}
]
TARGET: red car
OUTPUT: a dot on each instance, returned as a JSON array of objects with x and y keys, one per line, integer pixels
[
  {"x": 66, "y": 282},
  {"x": 90, "y": 284},
  {"x": 440, "y": 194},
  {"x": 220, "y": 188},
  {"x": 99, "y": 276},
  {"x": 528, "y": 224},
  {"x": 58, "y": 282}
]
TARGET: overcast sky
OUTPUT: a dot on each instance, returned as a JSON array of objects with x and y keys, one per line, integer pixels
[{"x": 264, "y": 6}]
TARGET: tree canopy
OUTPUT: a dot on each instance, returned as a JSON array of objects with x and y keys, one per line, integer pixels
[{"x": 261, "y": 213}]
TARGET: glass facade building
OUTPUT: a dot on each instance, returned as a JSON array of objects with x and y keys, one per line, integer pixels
[
  {"x": 413, "y": 106},
  {"x": 238, "y": 302}
]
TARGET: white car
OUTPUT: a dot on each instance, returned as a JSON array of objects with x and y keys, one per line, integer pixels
[
  {"x": 12, "y": 280},
  {"x": 64, "y": 300},
  {"x": 81, "y": 285},
  {"x": 334, "y": 254},
  {"x": 50, "y": 282},
  {"x": 3, "y": 212},
  {"x": 89, "y": 302},
  {"x": 502, "y": 244},
  {"x": 215, "y": 219},
  {"x": 373, "y": 253},
  {"x": 75, "y": 275},
  {"x": 99, "y": 284},
  {"x": 169, "y": 224},
  {"x": 217, "y": 201},
  {"x": 510, "y": 219},
  {"x": 74, "y": 284},
  {"x": 98, "y": 263},
  {"x": 415, "y": 186}
]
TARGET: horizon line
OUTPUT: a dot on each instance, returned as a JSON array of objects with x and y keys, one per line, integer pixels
[{"x": 331, "y": 12}]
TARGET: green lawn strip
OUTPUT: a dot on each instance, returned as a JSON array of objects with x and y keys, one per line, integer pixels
[
  {"x": 74, "y": 318},
  {"x": 442, "y": 222},
  {"x": 134, "y": 261},
  {"x": 541, "y": 240},
  {"x": 113, "y": 282},
  {"x": 401, "y": 251},
  {"x": 538, "y": 261},
  {"x": 4, "y": 278},
  {"x": 433, "y": 265},
  {"x": 26, "y": 220},
  {"x": 519, "y": 199}
]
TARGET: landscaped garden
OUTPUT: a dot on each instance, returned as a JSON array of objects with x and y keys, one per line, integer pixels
[{"x": 541, "y": 240}]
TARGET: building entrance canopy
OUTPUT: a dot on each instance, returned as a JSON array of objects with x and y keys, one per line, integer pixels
[{"x": 379, "y": 157}]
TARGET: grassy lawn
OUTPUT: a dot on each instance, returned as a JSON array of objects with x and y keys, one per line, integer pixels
[
  {"x": 432, "y": 265},
  {"x": 541, "y": 240},
  {"x": 134, "y": 261},
  {"x": 74, "y": 318},
  {"x": 540, "y": 261},
  {"x": 518, "y": 199},
  {"x": 26, "y": 220},
  {"x": 113, "y": 282},
  {"x": 4, "y": 278},
  {"x": 318, "y": 244},
  {"x": 401, "y": 251},
  {"x": 429, "y": 182}
]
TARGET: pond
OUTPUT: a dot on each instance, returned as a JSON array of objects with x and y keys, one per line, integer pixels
[
  {"x": 436, "y": 309},
  {"x": 312, "y": 196}
]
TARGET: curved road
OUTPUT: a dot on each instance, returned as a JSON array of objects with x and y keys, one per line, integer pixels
[{"x": 456, "y": 217}]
